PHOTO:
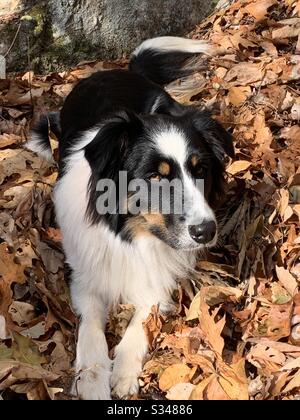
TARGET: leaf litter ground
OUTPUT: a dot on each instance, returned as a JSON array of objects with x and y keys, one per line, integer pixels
[{"x": 235, "y": 331}]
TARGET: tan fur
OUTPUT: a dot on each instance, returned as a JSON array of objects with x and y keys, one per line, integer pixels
[
  {"x": 155, "y": 220},
  {"x": 195, "y": 160},
  {"x": 136, "y": 226},
  {"x": 164, "y": 168},
  {"x": 140, "y": 225}
]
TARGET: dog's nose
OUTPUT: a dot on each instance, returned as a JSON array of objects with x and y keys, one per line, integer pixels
[{"x": 203, "y": 233}]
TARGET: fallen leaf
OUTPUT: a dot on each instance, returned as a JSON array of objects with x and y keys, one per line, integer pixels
[
  {"x": 294, "y": 382},
  {"x": 9, "y": 273},
  {"x": 13, "y": 371},
  {"x": 287, "y": 280},
  {"x": 25, "y": 351},
  {"x": 178, "y": 373},
  {"x": 198, "y": 391},
  {"x": 181, "y": 391},
  {"x": 292, "y": 364},
  {"x": 152, "y": 326},
  {"x": 259, "y": 8},
  {"x": 239, "y": 94},
  {"x": 209, "y": 326},
  {"x": 238, "y": 166},
  {"x": 21, "y": 312}
]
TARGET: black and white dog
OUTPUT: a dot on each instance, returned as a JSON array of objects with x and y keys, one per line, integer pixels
[{"x": 123, "y": 120}]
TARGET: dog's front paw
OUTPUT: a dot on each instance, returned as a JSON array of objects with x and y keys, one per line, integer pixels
[
  {"x": 93, "y": 384},
  {"x": 124, "y": 379}
]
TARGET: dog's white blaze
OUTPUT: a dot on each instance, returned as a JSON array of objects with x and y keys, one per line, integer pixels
[
  {"x": 173, "y": 43},
  {"x": 171, "y": 143}
]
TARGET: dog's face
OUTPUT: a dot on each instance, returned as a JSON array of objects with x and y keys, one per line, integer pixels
[{"x": 174, "y": 170}]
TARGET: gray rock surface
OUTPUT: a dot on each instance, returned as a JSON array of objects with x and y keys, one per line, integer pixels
[{"x": 55, "y": 34}]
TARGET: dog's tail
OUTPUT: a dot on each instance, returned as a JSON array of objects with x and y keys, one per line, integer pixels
[
  {"x": 164, "y": 59},
  {"x": 40, "y": 141}
]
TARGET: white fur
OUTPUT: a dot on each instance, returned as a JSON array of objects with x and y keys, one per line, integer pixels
[
  {"x": 86, "y": 139},
  {"x": 172, "y": 143},
  {"x": 105, "y": 271},
  {"x": 156, "y": 104},
  {"x": 173, "y": 43},
  {"x": 35, "y": 144},
  {"x": 129, "y": 355}
]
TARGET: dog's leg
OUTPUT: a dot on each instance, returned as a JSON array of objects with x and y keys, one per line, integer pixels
[
  {"x": 129, "y": 355},
  {"x": 93, "y": 365}
]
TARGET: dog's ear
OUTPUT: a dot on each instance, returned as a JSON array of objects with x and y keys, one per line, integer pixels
[
  {"x": 217, "y": 138},
  {"x": 219, "y": 141},
  {"x": 107, "y": 150},
  {"x": 105, "y": 155}
]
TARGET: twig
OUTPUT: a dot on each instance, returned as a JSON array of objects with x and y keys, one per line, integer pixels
[{"x": 14, "y": 40}]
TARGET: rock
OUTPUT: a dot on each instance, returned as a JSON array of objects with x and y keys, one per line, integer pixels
[{"x": 54, "y": 34}]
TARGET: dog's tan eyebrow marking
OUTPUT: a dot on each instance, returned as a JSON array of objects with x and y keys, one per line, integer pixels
[
  {"x": 195, "y": 159},
  {"x": 164, "y": 168}
]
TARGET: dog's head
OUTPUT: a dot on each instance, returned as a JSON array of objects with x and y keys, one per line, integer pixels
[{"x": 172, "y": 170}]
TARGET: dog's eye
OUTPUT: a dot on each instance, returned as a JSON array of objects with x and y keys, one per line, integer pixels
[{"x": 155, "y": 177}]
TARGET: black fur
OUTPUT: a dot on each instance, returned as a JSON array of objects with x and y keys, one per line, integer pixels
[
  {"x": 47, "y": 123},
  {"x": 160, "y": 67}
]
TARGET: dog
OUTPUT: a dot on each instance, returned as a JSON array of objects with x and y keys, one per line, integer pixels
[{"x": 123, "y": 121}]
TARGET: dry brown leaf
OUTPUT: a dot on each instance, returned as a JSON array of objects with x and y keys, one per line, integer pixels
[
  {"x": 212, "y": 329},
  {"x": 21, "y": 312},
  {"x": 214, "y": 391},
  {"x": 234, "y": 381},
  {"x": 287, "y": 280},
  {"x": 295, "y": 112},
  {"x": 279, "y": 295},
  {"x": 12, "y": 371},
  {"x": 9, "y": 273},
  {"x": 243, "y": 74},
  {"x": 266, "y": 359},
  {"x": 181, "y": 391},
  {"x": 294, "y": 382},
  {"x": 259, "y": 8},
  {"x": 152, "y": 326},
  {"x": 280, "y": 382},
  {"x": 198, "y": 391},
  {"x": 285, "y": 32},
  {"x": 8, "y": 140},
  {"x": 178, "y": 373},
  {"x": 263, "y": 135},
  {"x": 238, "y": 166},
  {"x": 292, "y": 364},
  {"x": 239, "y": 94}
]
